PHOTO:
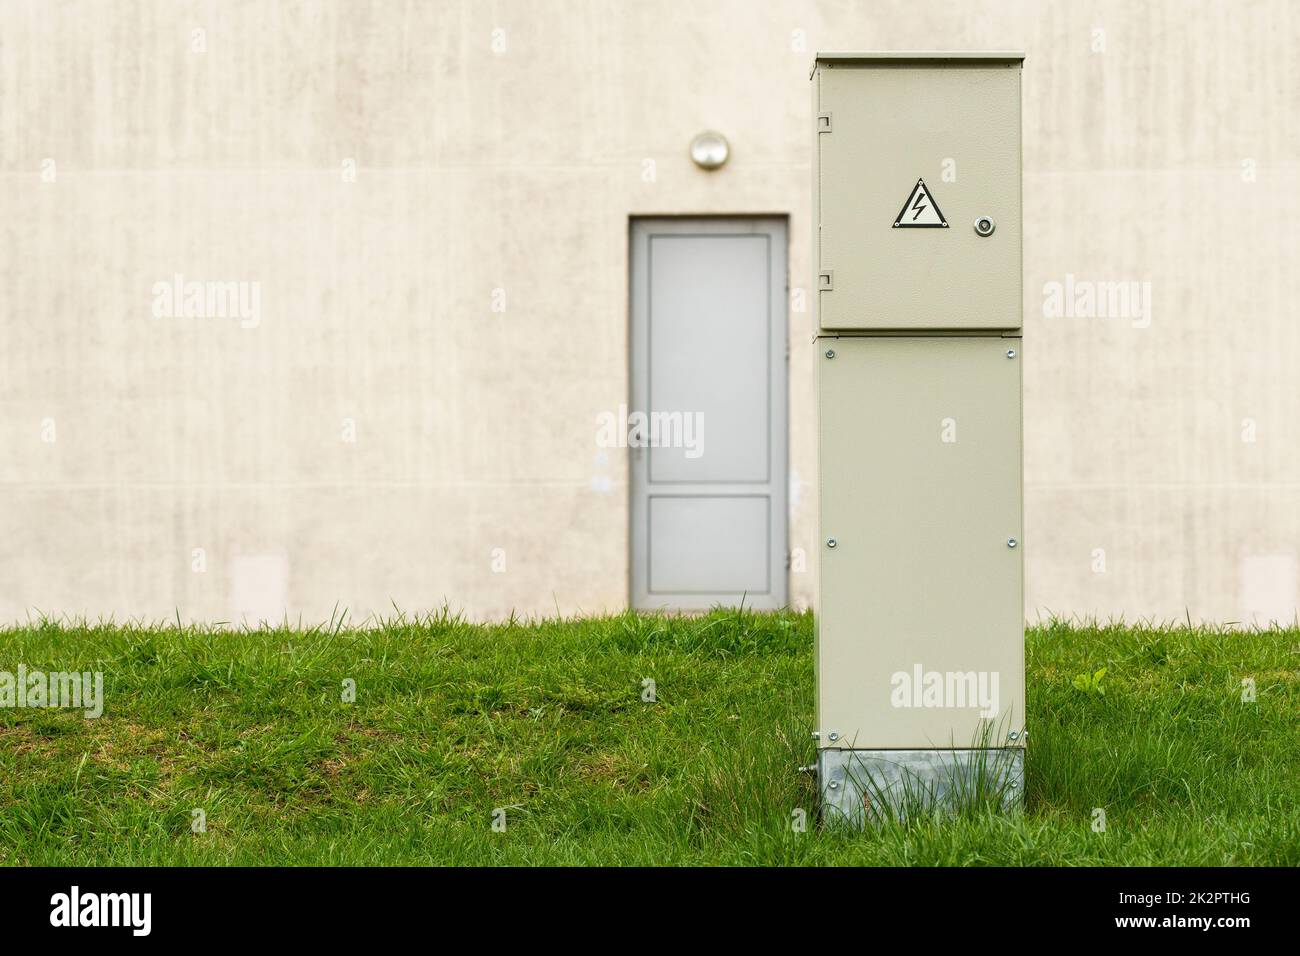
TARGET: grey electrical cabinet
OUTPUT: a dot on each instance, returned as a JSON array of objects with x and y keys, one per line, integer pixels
[{"x": 920, "y": 618}]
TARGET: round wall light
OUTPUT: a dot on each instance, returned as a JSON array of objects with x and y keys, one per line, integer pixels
[{"x": 710, "y": 150}]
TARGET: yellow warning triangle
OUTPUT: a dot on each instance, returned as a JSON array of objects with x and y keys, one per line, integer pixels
[{"x": 920, "y": 211}]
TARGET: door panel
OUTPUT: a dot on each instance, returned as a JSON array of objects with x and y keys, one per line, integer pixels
[
  {"x": 709, "y": 544},
  {"x": 871, "y": 160},
  {"x": 920, "y": 463},
  {"x": 708, "y": 369},
  {"x": 709, "y": 352}
]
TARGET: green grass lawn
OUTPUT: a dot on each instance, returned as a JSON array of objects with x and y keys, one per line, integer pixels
[{"x": 546, "y": 720}]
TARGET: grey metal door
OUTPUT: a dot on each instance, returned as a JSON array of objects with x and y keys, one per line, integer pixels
[{"x": 707, "y": 416}]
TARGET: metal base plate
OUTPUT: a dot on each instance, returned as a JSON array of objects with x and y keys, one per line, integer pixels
[{"x": 860, "y": 787}]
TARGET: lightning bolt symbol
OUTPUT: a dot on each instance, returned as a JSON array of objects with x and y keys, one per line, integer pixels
[{"x": 918, "y": 206}]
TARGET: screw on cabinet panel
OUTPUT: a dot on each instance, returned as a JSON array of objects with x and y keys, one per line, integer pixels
[
  {"x": 1012, "y": 542},
  {"x": 831, "y": 542},
  {"x": 1011, "y": 353},
  {"x": 830, "y": 353}
]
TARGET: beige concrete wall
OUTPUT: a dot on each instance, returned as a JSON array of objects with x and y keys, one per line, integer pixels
[{"x": 499, "y": 151}]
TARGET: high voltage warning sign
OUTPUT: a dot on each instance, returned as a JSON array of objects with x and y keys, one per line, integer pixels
[{"x": 920, "y": 211}]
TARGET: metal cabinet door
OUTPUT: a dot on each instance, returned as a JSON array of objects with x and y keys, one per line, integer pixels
[
  {"x": 708, "y": 524},
  {"x": 921, "y": 493},
  {"x": 892, "y": 124}
]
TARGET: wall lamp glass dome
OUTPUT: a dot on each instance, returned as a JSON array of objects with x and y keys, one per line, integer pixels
[{"x": 710, "y": 149}]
